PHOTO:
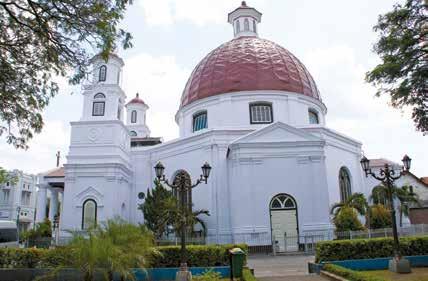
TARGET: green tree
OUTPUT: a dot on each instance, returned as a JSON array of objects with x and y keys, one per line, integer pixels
[
  {"x": 5, "y": 176},
  {"x": 356, "y": 201},
  {"x": 158, "y": 208},
  {"x": 43, "y": 39},
  {"x": 347, "y": 220},
  {"x": 380, "y": 217},
  {"x": 403, "y": 50},
  {"x": 404, "y": 195}
]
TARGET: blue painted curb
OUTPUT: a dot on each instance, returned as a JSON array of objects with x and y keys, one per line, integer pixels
[
  {"x": 168, "y": 273},
  {"x": 370, "y": 264}
]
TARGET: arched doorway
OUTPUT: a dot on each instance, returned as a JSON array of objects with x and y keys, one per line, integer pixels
[{"x": 283, "y": 217}]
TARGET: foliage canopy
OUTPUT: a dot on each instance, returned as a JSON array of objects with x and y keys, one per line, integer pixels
[{"x": 43, "y": 39}]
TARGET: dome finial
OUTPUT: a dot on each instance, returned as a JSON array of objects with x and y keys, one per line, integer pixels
[
  {"x": 244, "y": 4},
  {"x": 137, "y": 95}
]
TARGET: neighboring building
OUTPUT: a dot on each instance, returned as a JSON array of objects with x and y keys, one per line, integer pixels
[
  {"x": 418, "y": 214},
  {"x": 251, "y": 110},
  {"x": 19, "y": 197}
]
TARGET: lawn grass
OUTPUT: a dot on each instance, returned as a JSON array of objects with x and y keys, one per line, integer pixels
[{"x": 418, "y": 274}]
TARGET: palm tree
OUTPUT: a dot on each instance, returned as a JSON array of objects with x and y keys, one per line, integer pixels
[
  {"x": 404, "y": 195},
  {"x": 356, "y": 201},
  {"x": 114, "y": 247}
]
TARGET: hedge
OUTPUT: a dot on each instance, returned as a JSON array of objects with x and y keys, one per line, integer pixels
[
  {"x": 164, "y": 256},
  {"x": 197, "y": 255},
  {"x": 350, "y": 275},
  {"x": 369, "y": 248}
]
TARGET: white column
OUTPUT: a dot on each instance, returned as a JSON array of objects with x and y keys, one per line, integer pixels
[
  {"x": 61, "y": 195},
  {"x": 41, "y": 203},
  {"x": 53, "y": 205}
]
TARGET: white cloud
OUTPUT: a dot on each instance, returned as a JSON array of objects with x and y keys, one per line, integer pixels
[
  {"x": 41, "y": 154},
  {"x": 200, "y": 12},
  {"x": 160, "y": 82},
  {"x": 354, "y": 110}
]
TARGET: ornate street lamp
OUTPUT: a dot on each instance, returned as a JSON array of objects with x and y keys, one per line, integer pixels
[
  {"x": 183, "y": 185},
  {"x": 387, "y": 176}
]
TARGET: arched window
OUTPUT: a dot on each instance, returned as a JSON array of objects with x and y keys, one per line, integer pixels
[
  {"x": 261, "y": 113},
  {"x": 254, "y": 26},
  {"x": 246, "y": 25},
  {"x": 103, "y": 73},
  {"x": 200, "y": 121},
  {"x": 133, "y": 133},
  {"x": 134, "y": 116},
  {"x": 98, "y": 106},
  {"x": 313, "y": 117},
  {"x": 282, "y": 201},
  {"x": 89, "y": 214},
  {"x": 344, "y": 184},
  {"x": 238, "y": 27}
]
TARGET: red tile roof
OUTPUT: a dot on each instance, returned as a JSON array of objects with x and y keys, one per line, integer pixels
[{"x": 55, "y": 173}]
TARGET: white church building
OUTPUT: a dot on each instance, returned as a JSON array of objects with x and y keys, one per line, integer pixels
[{"x": 250, "y": 109}]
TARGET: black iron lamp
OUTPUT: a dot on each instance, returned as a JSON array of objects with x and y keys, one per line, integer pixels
[
  {"x": 406, "y": 162},
  {"x": 387, "y": 175},
  {"x": 365, "y": 164},
  {"x": 159, "y": 169},
  {"x": 206, "y": 170}
]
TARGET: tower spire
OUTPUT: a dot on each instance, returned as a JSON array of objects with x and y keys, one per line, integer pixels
[{"x": 244, "y": 20}]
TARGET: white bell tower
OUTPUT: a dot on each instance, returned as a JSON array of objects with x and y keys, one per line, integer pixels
[
  {"x": 244, "y": 20},
  {"x": 136, "y": 118},
  {"x": 104, "y": 99},
  {"x": 98, "y": 172}
]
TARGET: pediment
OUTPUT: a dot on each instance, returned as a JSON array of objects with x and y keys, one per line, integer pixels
[
  {"x": 89, "y": 193},
  {"x": 277, "y": 133}
]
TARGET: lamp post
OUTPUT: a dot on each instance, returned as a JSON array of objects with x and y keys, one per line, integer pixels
[
  {"x": 18, "y": 211},
  {"x": 182, "y": 185},
  {"x": 387, "y": 176}
]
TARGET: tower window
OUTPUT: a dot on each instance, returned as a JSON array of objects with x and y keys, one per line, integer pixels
[
  {"x": 261, "y": 113},
  {"x": 313, "y": 117},
  {"x": 254, "y": 26},
  {"x": 102, "y": 74},
  {"x": 98, "y": 106},
  {"x": 89, "y": 214},
  {"x": 133, "y": 133},
  {"x": 344, "y": 184},
  {"x": 238, "y": 27},
  {"x": 200, "y": 121},
  {"x": 246, "y": 25},
  {"x": 134, "y": 116}
]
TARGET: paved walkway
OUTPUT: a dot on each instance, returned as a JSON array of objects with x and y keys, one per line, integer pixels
[{"x": 282, "y": 268}]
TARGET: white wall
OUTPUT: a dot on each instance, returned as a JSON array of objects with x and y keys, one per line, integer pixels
[{"x": 231, "y": 111}]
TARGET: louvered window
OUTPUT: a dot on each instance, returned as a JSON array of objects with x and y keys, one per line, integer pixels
[
  {"x": 200, "y": 121},
  {"x": 261, "y": 113}
]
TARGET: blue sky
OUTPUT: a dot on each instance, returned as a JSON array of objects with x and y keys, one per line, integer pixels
[{"x": 332, "y": 38}]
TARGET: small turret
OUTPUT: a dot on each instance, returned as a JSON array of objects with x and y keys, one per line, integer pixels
[{"x": 136, "y": 117}]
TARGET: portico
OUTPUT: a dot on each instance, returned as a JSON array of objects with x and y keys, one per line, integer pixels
[{"x": 52, "y": 182}]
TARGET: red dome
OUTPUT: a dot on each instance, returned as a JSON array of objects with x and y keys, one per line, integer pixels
[
  {"x": 136, "y": 100},
  {"x": 248, "y": 64}
]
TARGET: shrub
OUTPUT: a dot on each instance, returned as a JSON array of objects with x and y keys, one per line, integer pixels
[
  {"x": 369, "y": 248},
  {"x": 247, "y": 275},
  {"x": 208, "y": 276},
  {"x": 197, "y": 255},
  {"x": 379, "y": 217},
  {"x": 168, "y": 256},
  {"x": 350, "y": 275},
  {"x": 347, "y": 219}
]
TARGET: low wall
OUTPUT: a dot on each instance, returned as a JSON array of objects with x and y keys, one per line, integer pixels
[
  {"x": 369, "y": 264},
  {"x": 153, "y": 274}
]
